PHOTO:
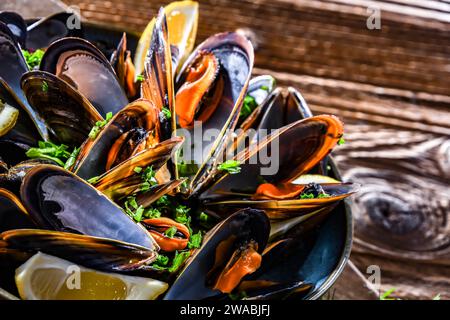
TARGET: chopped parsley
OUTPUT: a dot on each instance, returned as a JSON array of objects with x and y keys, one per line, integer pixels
[
  {"x": 248, "y": 106},
  {"x": 71, "y": 160},
  {"x": 44, "y": 86},
  {"x": 182, "y": 214},
  {"x": 99, "y": 125},
  {"x": 230, "y": 166},
  {"x": 60, "y": 154},
  {"x": 162, "y": 262},
  {"x": 94, "y": 180},
  {"x": 195, "y": 241},
  {"x": 170, "y": 233},
  {"x": 33, "y": 59},
  {"x": 312, "y": 196},
  {"x": 187, "y": 169},
  {"x": 341, "y": 141},
  {"x": 140, "y": 78},
  {"x": 166, "y": 112},
  {"x": 148, "y": 178}
]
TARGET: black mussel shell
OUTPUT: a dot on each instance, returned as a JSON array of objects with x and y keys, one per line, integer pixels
[
  {"x": 49, "y": 29},
  {"x": 82, "y": 65},
  {"x": 13, "y": 215},
  {"x": 68, "y": 115},
  {"x": 16, "y": 24},
  {"x": 244, "y": 225},
  {"x": 93, "y": 252},
  {"x": 58, "y": 200}
]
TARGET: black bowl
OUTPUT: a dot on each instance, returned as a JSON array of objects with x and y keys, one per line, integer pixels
[{"x": 329, "y": 243}]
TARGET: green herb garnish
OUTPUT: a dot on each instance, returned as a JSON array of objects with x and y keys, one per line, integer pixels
[
  {"x": 94, "y": 180},
  {"x": 137, "y": 169},
  {"x": 182, "y": 214},
  {"x": 311, "y": 196},
  {"x": 170, "y": 233},
  {"x": 71, "y": 161},
  {"x": 187, "y": 169},
  {"x": 44, "y": 86},
  {"x": 133, "y": 209},
  {"x": 248, "y": 106},
  {"x": 166, "y": 112},
  {"x": 99, "y": 125},
  {"x": 341, "y": 141},
  {"x": 178, "y": 260},
  {"x": 195, "y": 241},
  {"x": 51, "y": 151},
  {"x": 140, "y": 78},
  {"x": 152, "y": 213},
  {"x": 387, "y": 295},
  {"x": 231, "y": 166},
  {"x": 33, "y": 59},
  {"x": 148, "y": 179},
  {"x": 161, "y": 260}
]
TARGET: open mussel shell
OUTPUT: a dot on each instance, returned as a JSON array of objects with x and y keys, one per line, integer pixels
[
  {"x": 12, "y": 178},
  {"x": 13, "y": 214},
  {"x": 83, "y": 66},
  {"x": 158, "y": 75},
  {"x": 286, "y": 209},
  {"x": 93, "y": 157},
  {"x": 68, "y": 114},
  {"x": 125, "y": 70},
  {"x": 58, "y": 200},
  {"x": 93, "y": 252},
  {"x": 123, "y": 180},
  {"x": 287, "y": 153},
  {"x": 16, "y": 24},
  {"x": 51, "y": 28},
  {"x": 244, "y": 225},
  {"x": 235, "y": 55},
  {"x": 24, "y": 131},
  {"x": 13, "y": 67}
]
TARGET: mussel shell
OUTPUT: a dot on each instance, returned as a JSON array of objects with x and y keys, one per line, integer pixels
[
  {"x": 16, "y": 24},
  {"x": 301, "y": 145},
  {"x": 122, "y": 180},
  {"x": 58, "y": 200},
  {"x": 12, "y": 179},
  {"x": 24, "y": 132},
  {"x": 13, "y": 215},
  {"x": 285, "y": 209},
  {"x": 13, "y": 67},
  {"x": 235, "y": 55},
  {"x": 69, "y": 115},
  {"x": 247, "y": 224},
  {"x": 92, "y": 252},
  {"x": 81, "y": 64},
  {"x": 92, "y": 159},
  {"x": 51, "y": 28}
]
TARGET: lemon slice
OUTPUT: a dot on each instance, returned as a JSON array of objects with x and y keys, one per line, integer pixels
[
  {"x": 8, "y": 118},
  {"x": 46, "y": 277},
  {"x": 182, "y": 19},
  {"x": 316, "y": 178}
]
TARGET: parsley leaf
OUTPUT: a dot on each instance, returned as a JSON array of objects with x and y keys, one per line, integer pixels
[
  {"x": 248, "y": 106},
  {"x": 99, "y": 125},
  {"x": 33, "y": 59},
  {"x": 341, "y": 141},
  {"x": 51, "y": 151},
  {"x": 178, "y": 260},
  {"x": 166, "y": 112},
  {"x": 71, "y": 160},
  {"x": 44, "y": 86},
  {"x": 140, "y": 78},
  {"x": 231, "y": 166},
  {"x": 170, "y": 233},
  {"x": 195, "y": 241}
]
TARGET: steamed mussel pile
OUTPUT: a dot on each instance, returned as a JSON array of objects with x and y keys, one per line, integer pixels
[{"x": 100, "y": 166}]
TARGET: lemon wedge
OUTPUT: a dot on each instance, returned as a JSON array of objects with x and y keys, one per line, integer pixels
[
  {"x": 8, "y": 118},
  {"x": 316, "y": 178},
  {"x": 44, "y": 277},
  {"x": 182, "y": 20}
]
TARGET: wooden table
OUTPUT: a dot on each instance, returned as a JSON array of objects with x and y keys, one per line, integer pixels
[{"x": 392, "y": 88}]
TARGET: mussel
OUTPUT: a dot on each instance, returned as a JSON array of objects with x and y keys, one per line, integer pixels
[
  {"x": 57, "y": 200},
  {"x": 83, "y": 66},
  {"x": 67, "y": 113}
]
